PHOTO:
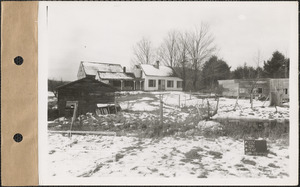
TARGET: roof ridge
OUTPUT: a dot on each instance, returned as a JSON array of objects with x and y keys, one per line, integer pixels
[
  {"x": 100, "y": 63},
  {"x": 108, "y": 72}
]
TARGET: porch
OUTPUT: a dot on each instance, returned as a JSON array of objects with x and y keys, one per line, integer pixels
[{"x": 127, "y": 85}]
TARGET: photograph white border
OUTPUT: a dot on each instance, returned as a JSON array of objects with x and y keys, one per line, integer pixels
[{"x": 44, "y": 179}]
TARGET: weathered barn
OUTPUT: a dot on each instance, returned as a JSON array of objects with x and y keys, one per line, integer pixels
[
  {"x": 86, "y": 92},
  {"x": 112, "y": 74},
  {"x": 262, "y": 87}
]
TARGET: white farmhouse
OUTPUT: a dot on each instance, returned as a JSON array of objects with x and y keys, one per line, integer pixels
[{"x": 157, "y": 77}]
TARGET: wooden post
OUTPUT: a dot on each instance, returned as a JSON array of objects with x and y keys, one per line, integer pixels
[
  {"x": 251, "y": 100},
  {"x": 161, "y": 109},
  {"x": 190, "y": 94},
  {"x": 274, "y": 98},
  {"x": 208, "y": 109},
  {"x": 179, "y": 100},
  {"x": 115, "y": 102},
  {"x": 73, "y": 118}
]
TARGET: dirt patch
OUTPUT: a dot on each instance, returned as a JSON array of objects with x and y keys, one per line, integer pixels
[
  {"x": 217, "y": 155},
  {"x": 249, "y": 162}
]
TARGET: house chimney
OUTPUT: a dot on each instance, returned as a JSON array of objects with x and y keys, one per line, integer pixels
[
  {"x": 156, "y": 65},
  {"x": 124, "y": 69}
]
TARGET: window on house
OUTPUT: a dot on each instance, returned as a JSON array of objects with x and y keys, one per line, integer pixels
[
  {"x": 285, "y": 91},
  {"x": 259, "y": 90},
  {"x": 152, "y": 83},
  {"x": 170, "y": 84},
  {"x": 179, "y": 84}
]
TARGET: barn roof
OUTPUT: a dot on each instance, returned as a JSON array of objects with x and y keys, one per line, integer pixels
[
  {"x": 162, "y": 71},
  {"x": 88, "y": 84},
  {"x": 115, "y": 75},
  {"x": 91, "y": 68}
]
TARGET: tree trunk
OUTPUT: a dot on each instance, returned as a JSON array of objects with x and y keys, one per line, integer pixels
[
  {"x": 195, "y": 79},
  {"x": 183, "y": 77},
  {"x": 275, "y": 99},
  {"x": 195, "y": 75}
]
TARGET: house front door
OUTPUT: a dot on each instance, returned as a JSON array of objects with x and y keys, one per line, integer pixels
[{"x": 161, "y": 85}]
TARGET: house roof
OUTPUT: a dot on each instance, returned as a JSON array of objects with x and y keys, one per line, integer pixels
[
  {"x": 91, "y": 68},
  {"x": 115, "y": 75},
  {"x": 162, "y": 71},
  {"x": 87, "y": 84}
]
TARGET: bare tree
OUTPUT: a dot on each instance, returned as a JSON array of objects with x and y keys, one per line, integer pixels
[
  {"x": 200, "y": 46},
  {"x": 182, "y": 57},
  {"x": 168, "y": 51},
  {"x": 143, "y": 52},
  {"x": 257, "y": 59}
]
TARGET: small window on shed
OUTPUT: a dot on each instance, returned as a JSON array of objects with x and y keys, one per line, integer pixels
[
  {"x": 71, "y": 104},
  {"x": 259, "y": 90}
]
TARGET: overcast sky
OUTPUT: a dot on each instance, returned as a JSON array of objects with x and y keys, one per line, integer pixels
[{"x": 107, "y": 31}]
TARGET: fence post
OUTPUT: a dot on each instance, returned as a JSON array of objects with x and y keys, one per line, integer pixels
[
  {"x": 73, "y": 118},
  {"x": 179, "y": 100},
  {"x": 161, "y": 109}
]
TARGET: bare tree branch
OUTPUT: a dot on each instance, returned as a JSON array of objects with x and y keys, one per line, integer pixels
[
  {"x": 168, "y": 52},
  {"x": 143, "y": 52},
  {"x": 200, "y": 46}
]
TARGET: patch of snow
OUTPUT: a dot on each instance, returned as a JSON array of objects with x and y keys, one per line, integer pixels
[
  {"x": 107, "y": 156},
  {"x": 51, "y": 94}
]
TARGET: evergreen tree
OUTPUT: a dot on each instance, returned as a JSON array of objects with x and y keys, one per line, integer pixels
[
  {"x": 275, "y": 67},
  {"x": 213, "y": 70},
  {"x": 246, "y": 72}
]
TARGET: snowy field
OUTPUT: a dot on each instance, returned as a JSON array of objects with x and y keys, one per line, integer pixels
[
  {"x": 191, "y": 155},
  {"x": 173, "y": 100},
  {"x": 198, "y": 157}
]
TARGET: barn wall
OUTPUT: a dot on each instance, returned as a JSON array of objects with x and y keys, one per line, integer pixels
[
  {"x": 245, "y": 87},
  {"x": 230, "y": 88},
  {"x": 281, "y": 85},
  {"x": 86, "y": 100}
]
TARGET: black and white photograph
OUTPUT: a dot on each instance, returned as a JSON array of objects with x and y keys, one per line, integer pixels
[{"x": 168, "y": 92}]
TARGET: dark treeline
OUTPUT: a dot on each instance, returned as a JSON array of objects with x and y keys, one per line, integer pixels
[
  {"x": 53, "y": 84},
  {"x": 216, "y": 69}
]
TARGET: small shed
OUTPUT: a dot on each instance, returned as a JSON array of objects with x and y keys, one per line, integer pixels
[
  {"x": 261, "y": 87},
  {"x": 86, "y": 92}
]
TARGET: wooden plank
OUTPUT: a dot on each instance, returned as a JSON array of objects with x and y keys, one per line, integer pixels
[
  {"x": 86, "y": 132},
  {"x": 250, "y": 119}
]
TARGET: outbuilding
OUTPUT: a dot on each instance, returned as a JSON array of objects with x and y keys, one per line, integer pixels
[
  {"x": 261, "y": 87},
  {"x": 86, "y": 93}
]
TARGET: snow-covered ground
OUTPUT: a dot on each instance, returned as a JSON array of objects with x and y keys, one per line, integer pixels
[
  {"x": 198, "y": 157},
  {"x": 226, "y": 108},
  {"x": 173, "y": 156}
]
